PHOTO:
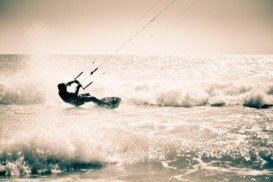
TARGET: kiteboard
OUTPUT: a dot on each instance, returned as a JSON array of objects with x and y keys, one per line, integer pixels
[{"x": 110, "y": 102}]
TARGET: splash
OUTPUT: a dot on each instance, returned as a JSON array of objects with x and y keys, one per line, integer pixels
[
  {"x": 20, "y": 95},
  {"x": 199, "y": 94}
]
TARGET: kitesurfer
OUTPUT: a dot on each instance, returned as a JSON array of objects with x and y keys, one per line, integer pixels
[{"x": 77, "y": 99}]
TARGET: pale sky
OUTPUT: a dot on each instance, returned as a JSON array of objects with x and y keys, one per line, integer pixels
[{"x": 102, "y": 26}]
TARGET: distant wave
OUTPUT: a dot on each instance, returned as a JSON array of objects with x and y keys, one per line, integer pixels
[
  {"x": 154, "y": 81},
  {"x": 215, "y": 95}
]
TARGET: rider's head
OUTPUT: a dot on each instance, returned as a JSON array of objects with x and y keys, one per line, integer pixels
[{"x": 62, "y": 87}]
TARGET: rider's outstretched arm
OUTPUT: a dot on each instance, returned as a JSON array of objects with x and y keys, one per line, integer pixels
[{"x": 71, "y": 82}]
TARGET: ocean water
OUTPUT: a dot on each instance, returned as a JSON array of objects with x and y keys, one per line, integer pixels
[{"x": 181, "y": 119}]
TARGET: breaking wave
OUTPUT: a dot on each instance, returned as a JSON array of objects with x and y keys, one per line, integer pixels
[
  {"x": 27, "y": 159},
  {"x": 152, "y": 94},
  {"x": 215, "y": 95},
  {"x": 31, "y": 153},
  {"x": 50, "y": 149},
  {"x": 186, "y": 82}
]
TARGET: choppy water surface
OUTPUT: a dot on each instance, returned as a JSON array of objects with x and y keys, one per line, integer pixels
[{"x": 181, "y": 119}]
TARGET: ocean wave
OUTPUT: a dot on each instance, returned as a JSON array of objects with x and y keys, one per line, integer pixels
[
  {"x": 152, "y": 81},
  {"x": 204, "y": 94},
  {"x": 43, "y": 155},
  {"x": 153, "y": 94},
  {"x": 35, "y": 161},
  {"x": 32, "y": 164},
  {"x": 50, "y": 148}
]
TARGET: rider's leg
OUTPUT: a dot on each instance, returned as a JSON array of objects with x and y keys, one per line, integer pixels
[
  {"x": 95, "y": 100},
  {"x": 84, "y": 95}
]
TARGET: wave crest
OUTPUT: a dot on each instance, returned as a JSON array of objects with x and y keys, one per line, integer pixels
[{"x": 202, "y": 94}]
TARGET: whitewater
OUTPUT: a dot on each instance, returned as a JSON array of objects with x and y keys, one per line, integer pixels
[{"x": 182, "y": 118}]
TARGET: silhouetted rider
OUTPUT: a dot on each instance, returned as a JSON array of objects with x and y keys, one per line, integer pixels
[{"x": 74, "y": 98}]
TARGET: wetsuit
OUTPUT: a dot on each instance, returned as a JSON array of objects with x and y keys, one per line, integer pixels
[{"x": 74, "y": 98}]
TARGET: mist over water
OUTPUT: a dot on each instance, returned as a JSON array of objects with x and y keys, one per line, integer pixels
[{"x": 181, "y": 118}]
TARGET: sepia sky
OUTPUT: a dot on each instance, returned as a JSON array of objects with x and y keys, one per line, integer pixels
[{"x": 102, "y": 26}]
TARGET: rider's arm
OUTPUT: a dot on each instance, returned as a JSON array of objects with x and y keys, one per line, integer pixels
[
  {"x": 78, "y": 89},
  {"x": 71, "y": 82}
]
